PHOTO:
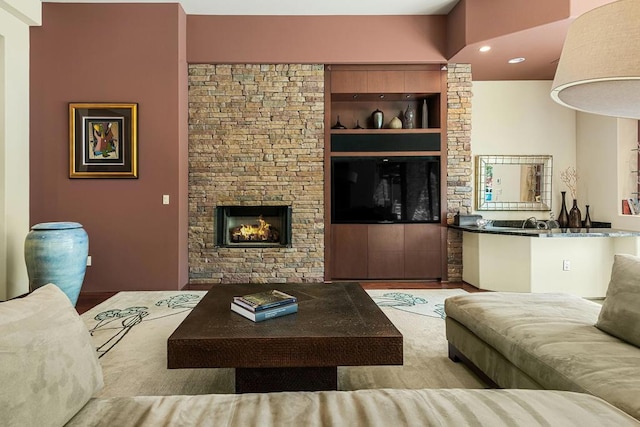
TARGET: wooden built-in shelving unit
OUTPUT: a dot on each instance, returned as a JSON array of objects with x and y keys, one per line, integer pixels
[{"x": 394, "y": 251}]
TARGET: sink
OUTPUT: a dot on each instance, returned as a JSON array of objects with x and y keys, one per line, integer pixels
[{"x": 524, "y": 230}]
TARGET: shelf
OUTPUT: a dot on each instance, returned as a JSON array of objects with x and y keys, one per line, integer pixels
[
  {"x": 393, "y": 153},
  {"x": 400, "y": 140},
  {"x": 381, "y": 97},
  {"x": 381, "y": 131}
]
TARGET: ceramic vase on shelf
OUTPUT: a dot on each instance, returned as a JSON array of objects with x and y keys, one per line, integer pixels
[
  {"x": 563, "y": 218},
  {"x": 395, "y": 123},
  {"x": 587, "y": 218},
  {"x": 425, "y": 115},
  {"x": 409, "y": 117},
  {"x": 56, "y": 252},
  {"x": 338, "y": 125},
  {"x": 378, "y": 119},
  {"x": 575, "y": 216}
]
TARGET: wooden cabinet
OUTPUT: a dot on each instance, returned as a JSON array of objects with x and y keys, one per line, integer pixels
[
  {"x": 422, "y": 82},
  {"x": 396, "y": 251},
  {"x": 354, "y": 81},
  {"x": 355, "y": 92},
  {"x": 349, "y": 81},
  {"x": 349, "y": 251},
  {"x": 386, "y": 251},
  {"x": 422, "y": 251},
  {"x": 385, "y": 82}
]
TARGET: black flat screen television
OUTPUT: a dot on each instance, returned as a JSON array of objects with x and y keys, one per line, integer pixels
[{"x": 385, "y": 189}]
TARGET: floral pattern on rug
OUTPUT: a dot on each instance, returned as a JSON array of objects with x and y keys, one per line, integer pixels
[
  {"x": 121, "y": 321},
  {"x": 411, "y": 303}
]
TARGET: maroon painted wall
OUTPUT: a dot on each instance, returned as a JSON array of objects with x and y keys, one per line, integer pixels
[
  {"x": 114, "y": 53},
  {"x": 138, "y": 53},
  {"x": 400, "y": 39}
]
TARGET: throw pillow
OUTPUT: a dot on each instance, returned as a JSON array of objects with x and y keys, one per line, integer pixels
[
  {"x": 620, "y": 314},
  {"x": 48, "y": 366}
]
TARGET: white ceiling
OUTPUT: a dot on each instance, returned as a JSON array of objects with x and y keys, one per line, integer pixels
[{"x": 298, "y": 7}]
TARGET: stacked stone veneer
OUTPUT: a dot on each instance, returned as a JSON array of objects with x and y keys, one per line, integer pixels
[
  {"x": 459, "y": 162},
  {"x": 256, "y": 137}
]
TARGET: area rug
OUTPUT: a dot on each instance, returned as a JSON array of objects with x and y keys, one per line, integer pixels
[{"x": 130, "y": 332}]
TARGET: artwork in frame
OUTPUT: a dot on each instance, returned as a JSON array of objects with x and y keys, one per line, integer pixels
[{"x": 103, "y": 140}]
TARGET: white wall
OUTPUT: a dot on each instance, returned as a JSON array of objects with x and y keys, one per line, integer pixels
[
  {"x": 15, "y": 18},
  {"x": 519, "y": 117},
  {"x": 605, "y": 165}
]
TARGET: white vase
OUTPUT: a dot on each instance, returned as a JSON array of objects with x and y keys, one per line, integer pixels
[{"x": 395, "y": 123}]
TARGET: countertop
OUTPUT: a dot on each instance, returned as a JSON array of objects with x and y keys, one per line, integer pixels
[{"x": 555, "y": 232}]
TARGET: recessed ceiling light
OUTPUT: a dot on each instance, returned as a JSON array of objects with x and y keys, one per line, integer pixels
[
  {"x": 485, "y": 49},
  {"x": 516, "y": 60}
]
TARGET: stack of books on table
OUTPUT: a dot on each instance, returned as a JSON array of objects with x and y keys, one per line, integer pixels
[{"x": 265, "y": 305}]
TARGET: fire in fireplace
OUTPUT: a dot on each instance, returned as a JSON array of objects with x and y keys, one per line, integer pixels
[
  {"x": 253, "y": 226},
  {"x": 261, "y": 232}
]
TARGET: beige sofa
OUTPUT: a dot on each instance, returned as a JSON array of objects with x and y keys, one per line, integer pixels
[
  {"x": 555, "y": 341},
  {"x": 49, "y": 373}
]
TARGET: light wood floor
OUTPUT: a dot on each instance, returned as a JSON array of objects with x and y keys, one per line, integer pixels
[{"x": 88, "y": 300}]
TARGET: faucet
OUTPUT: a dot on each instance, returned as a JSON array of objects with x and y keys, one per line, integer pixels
[
  {"x": 552, "y": 223},
  {"x": 532, "y": 219},
  {"x": 540, "y": 225}
]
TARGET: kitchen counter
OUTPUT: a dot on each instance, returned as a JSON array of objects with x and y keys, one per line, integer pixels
[
  {"x": 555, "y": 232},
  {"x": 512, "y": 259}
]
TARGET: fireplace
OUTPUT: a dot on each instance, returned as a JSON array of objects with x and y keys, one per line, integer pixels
[{"x": 253, "y": 226}]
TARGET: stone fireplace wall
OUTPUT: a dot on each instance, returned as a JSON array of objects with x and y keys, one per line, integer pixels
[
  {"x": 459, "y": 161},
  {"x": 256, "y": 137}
]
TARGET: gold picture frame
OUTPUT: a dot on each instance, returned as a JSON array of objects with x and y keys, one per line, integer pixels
[{"x": 103, "y": 140}]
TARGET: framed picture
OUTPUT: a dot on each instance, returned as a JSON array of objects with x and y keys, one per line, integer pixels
[{"x": 103, "y": 140}]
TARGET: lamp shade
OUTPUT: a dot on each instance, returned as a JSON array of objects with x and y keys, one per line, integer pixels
[{"x": 599, "y": 68}]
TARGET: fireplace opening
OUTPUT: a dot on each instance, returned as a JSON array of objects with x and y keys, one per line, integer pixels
[{"x": 253, "y": 226}]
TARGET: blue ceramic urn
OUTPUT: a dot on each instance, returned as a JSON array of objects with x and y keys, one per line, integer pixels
[{"x": 56, "y": 252}]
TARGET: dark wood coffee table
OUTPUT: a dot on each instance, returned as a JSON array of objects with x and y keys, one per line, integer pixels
[{"x": 337, "y": 324}]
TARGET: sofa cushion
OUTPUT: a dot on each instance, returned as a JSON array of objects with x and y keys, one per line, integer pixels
[
  {"x": 620, "y": 314},
  {"x": 552, "y": 338},
  {"x": 48, "y": 366},
  {"x": 372, "y": 408}
]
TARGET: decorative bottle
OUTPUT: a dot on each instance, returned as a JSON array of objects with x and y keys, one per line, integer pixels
[
  {"x": 563, "y": 218},
  {"x": 338, "y": 125},
  {"x": 575, "y": 216},
  {"x": 409, "y": 117},
  {"x": 587, "y": 219},
  {"x": 425, "y": 115},
  {"x": 378, "y": 119}
]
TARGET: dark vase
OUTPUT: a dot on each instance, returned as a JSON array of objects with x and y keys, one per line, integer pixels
[
  {"x": 425, "y": 115},
  {"x": 575, "y": 216},
  {"x": 409, "y": 117},
  {"x": 378, "y": 119},
  {"x": 563, "y": 219},
  {"x": 587, "y": 219},
  {"x": 338, "y": 125}
]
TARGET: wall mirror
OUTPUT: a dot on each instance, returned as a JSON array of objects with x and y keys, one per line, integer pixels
[{"x": 513, "y": 183}]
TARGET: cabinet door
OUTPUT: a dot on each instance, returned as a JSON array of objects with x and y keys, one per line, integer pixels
[
  {"x": 385, "y": 82},
  {"x": 349, "y": 251},
  {"x": 386, "y": 251},
  {"x": 422, "y": 251},
  {"x": 348, "y": 81},
  {"x": 422, "y": 81}
]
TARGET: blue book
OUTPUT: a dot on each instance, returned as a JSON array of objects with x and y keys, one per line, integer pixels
[
  {"x": 265, "y": 300},
  {"x": 259, "y": 316}
]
